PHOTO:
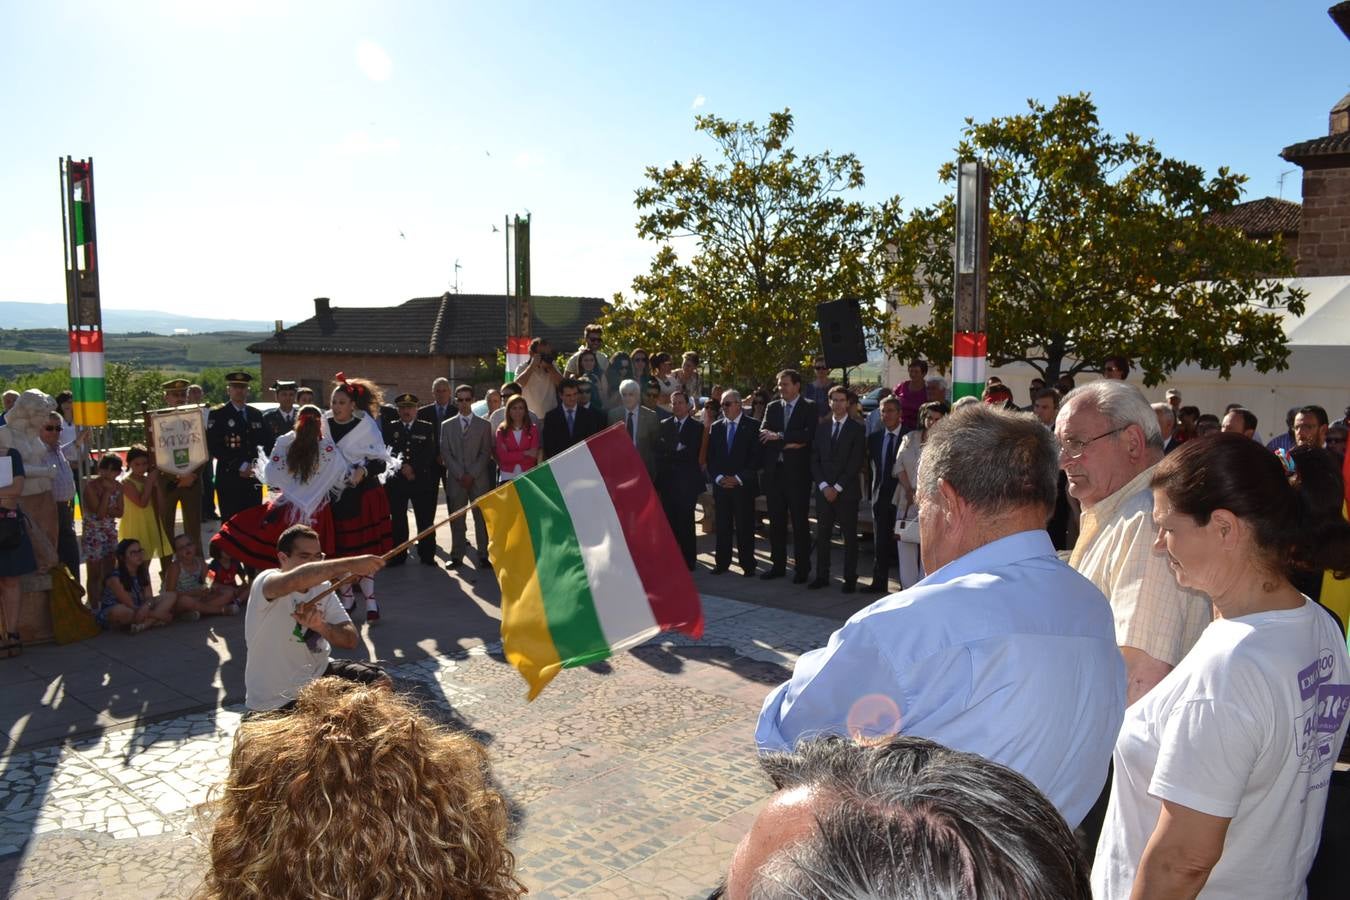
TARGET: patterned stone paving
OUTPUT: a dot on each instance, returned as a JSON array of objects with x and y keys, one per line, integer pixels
[{"x": 632, "y": 778}]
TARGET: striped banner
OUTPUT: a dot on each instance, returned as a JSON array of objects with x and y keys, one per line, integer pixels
[
  {"x": 586, "y": 560},
  {"x": 517, "y": 354},
  {"x": 969, "y": 366},
  {"x": 86, "y": 378}
]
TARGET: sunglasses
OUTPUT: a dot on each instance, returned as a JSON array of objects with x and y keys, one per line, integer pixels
[{"x": 730, "y": 403}]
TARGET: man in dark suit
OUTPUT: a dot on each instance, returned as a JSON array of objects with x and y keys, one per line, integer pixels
[
  {"x": 789, "y": 427},
  {"x": 282, "y": 419},
  {"x": 412, "y": 440},
  {"x": 569, "y": 422},
  {"x": 836, "y": 462},
  {"x": 235, "y": 434},
  {"x": 679, "y": 479},
  {"x": 882, "y": 447},
  {"x": 436, "y": 412},
  {"x": 733, "y": 464}
]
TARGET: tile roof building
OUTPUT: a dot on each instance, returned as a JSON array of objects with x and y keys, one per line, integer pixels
[{"x": 405, "y": 347}]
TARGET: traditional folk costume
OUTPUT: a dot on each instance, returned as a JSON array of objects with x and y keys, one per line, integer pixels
[{"x": 361, "y": 520}]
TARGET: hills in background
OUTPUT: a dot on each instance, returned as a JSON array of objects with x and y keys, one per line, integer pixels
[{"x": 53, "y": 315}]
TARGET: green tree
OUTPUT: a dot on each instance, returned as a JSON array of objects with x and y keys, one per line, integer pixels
[
  {"x": 1098, "y": 246},
  {"x": 764, "y": 234}
]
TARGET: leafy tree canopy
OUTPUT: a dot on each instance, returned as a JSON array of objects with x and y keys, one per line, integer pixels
[
  {"x": 1098, "y": 246},
  {"x": 766, "y": 234}
]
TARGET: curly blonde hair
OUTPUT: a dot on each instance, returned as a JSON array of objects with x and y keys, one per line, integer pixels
[{"x": 356, "y": 794}]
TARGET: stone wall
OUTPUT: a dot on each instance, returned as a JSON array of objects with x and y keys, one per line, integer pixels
[{"x": 1324, "y": 236}]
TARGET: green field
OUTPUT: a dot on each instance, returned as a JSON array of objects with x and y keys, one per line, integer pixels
[{"x": 39, "y": 349}]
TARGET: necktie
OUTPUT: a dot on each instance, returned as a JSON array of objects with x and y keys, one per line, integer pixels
[
  {"x": 887, "y": 458},
  {"x": 440, "y": 413},
  {"x": 463, "y": 426},
  {"x": 632, "y": 427},
  {"x": 731, "y": 435},
  {"x": 834, "y": 438},
  {"x": 570, "y": 422},
  {"x": 787, "y": 414}
]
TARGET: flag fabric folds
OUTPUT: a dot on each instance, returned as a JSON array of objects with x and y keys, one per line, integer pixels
[
  {"x": 87, "y": 383},
  {"x": 517, "y": 354},
  {"x": 586, "y": 560},
  {"x": 968, "y": 364}
]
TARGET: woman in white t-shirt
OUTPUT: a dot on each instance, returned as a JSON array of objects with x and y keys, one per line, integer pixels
[{"x": 1221, "y": 770}]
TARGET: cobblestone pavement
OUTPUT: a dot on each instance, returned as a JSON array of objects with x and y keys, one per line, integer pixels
[{"x": 631, "y": 778}]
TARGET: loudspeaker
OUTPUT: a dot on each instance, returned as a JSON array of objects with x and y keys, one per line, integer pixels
[{"x": 841, "y": 333}]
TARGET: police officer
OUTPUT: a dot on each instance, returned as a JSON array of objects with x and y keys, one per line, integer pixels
[
  {"x": 414, "y": 442},
  {"x": 282, "y": 419},
  {"x": 180, "y": 489},
  {"x": 235, "y": 434}
]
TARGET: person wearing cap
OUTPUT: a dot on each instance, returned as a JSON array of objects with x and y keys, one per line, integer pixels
[
  {"x": 235, "y": 435},
  {"x": 282, "y": 419},
  {"x": 179, "y": 490},
  {"x": 413, "y": 441}
]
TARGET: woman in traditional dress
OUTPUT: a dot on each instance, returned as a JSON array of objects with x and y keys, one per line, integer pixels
[
  {"x": 304, "y": 473},
  {"x": 361, "y": 522}
]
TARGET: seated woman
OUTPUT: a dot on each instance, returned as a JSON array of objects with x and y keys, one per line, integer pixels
[
  {"x": 1221, "y": 771},
  {"x": 354, "y": 793},
  {"x": 125, "y": 602},
  {"x": 186, "y": 581}
]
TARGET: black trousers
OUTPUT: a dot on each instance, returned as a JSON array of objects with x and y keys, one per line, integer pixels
[
  {"x": 788, "y": 496},
  {"x": 843, "y": 512},
  {"x": 422, "y": 497},
  {"x": 679, "y": 506},
  {"x": 735, "y": 510},
  {"x": 236, "y": 493},
  {"x": 207, "y": 475},
  {"x": 883, "y": 539}
]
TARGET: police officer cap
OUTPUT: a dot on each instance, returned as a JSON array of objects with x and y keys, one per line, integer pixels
[
  {"x": 406, "y": 400},
  {"x": 283, "y": 385},
  {"x": 238, "y": 378},
  {"x": 175, "y": 384}
]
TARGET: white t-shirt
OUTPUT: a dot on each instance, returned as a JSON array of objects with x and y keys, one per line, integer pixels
[
  {"x": 280, "y": 662},
  {"x": 539, "y": 392},
  {"x": 1246, "y": 727}
]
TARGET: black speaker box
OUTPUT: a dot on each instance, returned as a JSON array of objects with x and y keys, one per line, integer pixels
[{"x": 841, "y": 333}]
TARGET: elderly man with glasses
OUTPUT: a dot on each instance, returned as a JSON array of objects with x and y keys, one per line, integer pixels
[{"x": 1109, "y": 442}]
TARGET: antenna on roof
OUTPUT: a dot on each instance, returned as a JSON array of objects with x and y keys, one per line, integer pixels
[
  {"x": 1283, "y": 175},
  {"x": 455, "y": 287}
]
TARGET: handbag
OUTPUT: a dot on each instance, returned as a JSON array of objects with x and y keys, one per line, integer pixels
[
  {"x": 11, "y": 529},
  {"x": 71, "y": 620},
  {"x": 907, "y": 529}
]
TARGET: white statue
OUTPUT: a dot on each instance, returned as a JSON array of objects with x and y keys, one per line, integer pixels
[{"x": 23, "y": 422}]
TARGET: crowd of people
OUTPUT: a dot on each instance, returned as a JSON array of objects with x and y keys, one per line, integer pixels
[{"x": 1108, "y": 620}]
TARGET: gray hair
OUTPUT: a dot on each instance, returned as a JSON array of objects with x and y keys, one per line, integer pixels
[
  {"x": 629, "y": 386},
  {"x": 948, "y": 810},
  {"x": 1165, "y": 408},
  {"x": 731, "y": 394},
  {"x": 965, "y": 401},
  {"x": 440, "y": 381},
  {"x": 995, "y": 459},
  {"x": 1120, "y": 403}
]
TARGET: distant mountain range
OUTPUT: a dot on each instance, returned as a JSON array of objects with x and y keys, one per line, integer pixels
[{"x": 53, "y": 315}]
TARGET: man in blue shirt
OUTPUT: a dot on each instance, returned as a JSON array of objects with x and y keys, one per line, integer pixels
[{"x": 1003, "y": 650}]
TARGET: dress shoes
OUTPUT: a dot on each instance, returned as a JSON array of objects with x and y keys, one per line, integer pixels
[
  {"x": 748, "y": 573},
  {"x": 875, "y": 588},
  {"x": 718, "y": 570},
  {"x": 772, "y": 574},
  {"x": 427, "y": 560},
  {"x": 818, "y": 584}
]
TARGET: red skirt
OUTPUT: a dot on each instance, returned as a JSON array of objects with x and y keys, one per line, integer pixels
[
  {"x": 250, "y": 536},
  {"x": 370, "y": 530}
]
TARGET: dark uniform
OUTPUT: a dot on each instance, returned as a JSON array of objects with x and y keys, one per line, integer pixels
[
  {"x": 278, "y": 422},
  {"x": 415, "y": 444},
  {"x": 235, "y": 437}
]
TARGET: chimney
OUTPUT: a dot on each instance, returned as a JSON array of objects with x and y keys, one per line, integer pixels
[
  {"x": 277, "y": 327},
  {"x": 1340, "y": 116},
  {"x": 321, "y": 307}
]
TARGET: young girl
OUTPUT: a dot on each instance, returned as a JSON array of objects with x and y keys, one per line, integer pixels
[
  {"x": 125, "y": 603},
  {"x": 226, "y": 574},
  {"x": 102, "y": 500},
  {"x": 186, "y": 582},
  {"x": 140, "y": 516}
]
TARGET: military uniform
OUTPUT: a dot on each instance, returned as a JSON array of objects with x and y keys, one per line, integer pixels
[
  {"x": 172, "y": 491},
  {"x": 415, "y": 444},
  {"x": 235, "y": 437},
  {"x": 278, "y": 422}
]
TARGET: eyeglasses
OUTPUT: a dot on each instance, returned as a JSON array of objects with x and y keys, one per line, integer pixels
[
  {"x": 1074, "y": 448},
  {"x": 726, "y": 403}
]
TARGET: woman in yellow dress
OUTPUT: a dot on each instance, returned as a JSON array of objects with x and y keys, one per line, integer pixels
[{"x": 140, "y": 519}]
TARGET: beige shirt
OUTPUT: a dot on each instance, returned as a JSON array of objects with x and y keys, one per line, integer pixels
[{"x": 1115, "y": 552}]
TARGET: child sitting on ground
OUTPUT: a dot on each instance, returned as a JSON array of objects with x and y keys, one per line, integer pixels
[
  {"x": 186, "y": 580},
  {"x": 102, "y": 507},
  {"x": 124, "y": 603},
  {"x": 226, "y": 574}
]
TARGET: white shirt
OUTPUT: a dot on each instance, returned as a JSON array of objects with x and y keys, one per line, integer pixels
[
  {"x": 1246, "y": 727},
  {"x": 279, "y": 664}
]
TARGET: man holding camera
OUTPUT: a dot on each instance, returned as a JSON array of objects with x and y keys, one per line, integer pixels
[{"x": 538, "y": 378}]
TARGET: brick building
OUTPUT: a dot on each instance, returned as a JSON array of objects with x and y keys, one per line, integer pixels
[
  {"x": 405, "y": 347},
  {"x": 1265, "y": 220}
]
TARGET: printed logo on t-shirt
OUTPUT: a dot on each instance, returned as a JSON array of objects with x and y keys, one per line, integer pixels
[{"x": 1325, "y": 709}]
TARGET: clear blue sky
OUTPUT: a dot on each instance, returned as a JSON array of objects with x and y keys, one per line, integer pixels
[{"x": 253, "y": 155}]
